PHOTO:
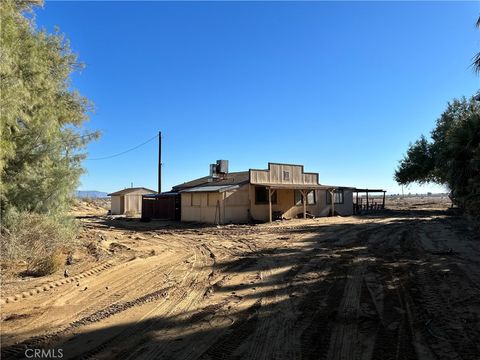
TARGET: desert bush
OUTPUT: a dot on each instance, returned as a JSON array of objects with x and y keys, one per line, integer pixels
[
  {"x": 48, "y": 264},
  {"x": 39, "y": 239}
]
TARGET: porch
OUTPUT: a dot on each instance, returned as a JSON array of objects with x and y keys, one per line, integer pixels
[
  {"x": 372, "y": 203},
  {"x": 291, "y": 200}
]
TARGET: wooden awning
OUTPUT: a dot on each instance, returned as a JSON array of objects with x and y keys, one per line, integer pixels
[{"x": 369, "y": 190}]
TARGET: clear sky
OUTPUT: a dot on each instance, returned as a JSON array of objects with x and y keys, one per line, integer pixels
[{"x": 341, "y": 87}]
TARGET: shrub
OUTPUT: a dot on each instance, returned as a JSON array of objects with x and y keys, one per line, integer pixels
[
  {"x": 39, "y": 239},
  {"x": 49, "y": 264}
]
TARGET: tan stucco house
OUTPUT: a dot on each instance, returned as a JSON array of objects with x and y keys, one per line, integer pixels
[
  {"x": 282, "y": 191},
  {"x": 128, "y": 200}
]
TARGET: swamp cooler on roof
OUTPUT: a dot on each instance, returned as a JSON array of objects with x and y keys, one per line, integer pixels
[{"x": 220, "y": 168}]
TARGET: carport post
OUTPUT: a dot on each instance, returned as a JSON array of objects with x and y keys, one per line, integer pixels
[{"x": 332, "y": 197}]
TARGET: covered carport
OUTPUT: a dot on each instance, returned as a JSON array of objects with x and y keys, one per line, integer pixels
[{"x": 370, "y": 204}]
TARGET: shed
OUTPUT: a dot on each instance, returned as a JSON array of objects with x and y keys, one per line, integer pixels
[{"x": 128, "y": 200}]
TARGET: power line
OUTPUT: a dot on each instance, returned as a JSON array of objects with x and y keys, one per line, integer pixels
[{"x": 126, "y": 151}]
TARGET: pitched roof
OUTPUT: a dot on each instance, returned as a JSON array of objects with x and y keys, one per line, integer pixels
[
  {"x": 234, "y": 178},
  {"x": 129, "y": 190}
]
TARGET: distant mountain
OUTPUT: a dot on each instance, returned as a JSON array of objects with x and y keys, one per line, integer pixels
[{"x": 90, "y": 194}]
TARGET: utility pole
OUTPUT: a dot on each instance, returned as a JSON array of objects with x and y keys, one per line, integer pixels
[{"x": 159, "y": 162}]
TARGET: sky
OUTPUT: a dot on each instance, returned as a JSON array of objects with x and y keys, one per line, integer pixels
[{"x": 340, "y": 87}]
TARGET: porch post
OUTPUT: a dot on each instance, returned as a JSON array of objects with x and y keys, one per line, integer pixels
[
  {"x": 383, "y": 206},
  {"x": 367, "y": 200},
  {"x": 270, "y": 204},
  {"x": 304, "y": 198},
  {"x": 332, "y": 196}
]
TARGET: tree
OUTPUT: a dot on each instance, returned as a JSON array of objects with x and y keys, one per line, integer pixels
[
  {"x": 41, "y": 120},
  {"x": 451, "y": 157},
  {"x": 42, "y": 143},
  {"x": 476, "y": 58}
]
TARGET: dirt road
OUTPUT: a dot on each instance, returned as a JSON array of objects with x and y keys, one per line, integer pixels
[{"x": 402, "y": 285}]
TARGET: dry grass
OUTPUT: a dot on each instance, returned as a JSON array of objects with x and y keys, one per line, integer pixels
[
  {"x": 38, "y": 239},
  {"x": 49, "y": 264}
]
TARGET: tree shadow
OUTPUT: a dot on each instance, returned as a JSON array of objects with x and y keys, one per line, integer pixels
[{"x": 319, "y": 286}]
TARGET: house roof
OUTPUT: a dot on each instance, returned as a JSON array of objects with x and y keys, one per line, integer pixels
[
  {"x": 234, "y": 178},
  {"x": 130, "y": 190}
]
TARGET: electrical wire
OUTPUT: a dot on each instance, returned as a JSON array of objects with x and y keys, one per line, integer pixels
[{"x": 123, "y": 152}]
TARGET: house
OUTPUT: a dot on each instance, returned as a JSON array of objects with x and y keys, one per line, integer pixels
[
  {"x": 282, "y": 191},
  {"x": 128, "y": 200}
]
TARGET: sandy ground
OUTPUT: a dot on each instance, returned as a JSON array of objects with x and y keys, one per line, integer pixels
[{"x": 404, "y": 284}]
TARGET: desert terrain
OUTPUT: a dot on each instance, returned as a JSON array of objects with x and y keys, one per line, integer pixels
[{"x": 400, "y": 284}]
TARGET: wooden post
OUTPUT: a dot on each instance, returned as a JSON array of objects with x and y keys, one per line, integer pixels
[
  {"x": 383, "y": 206},
  {"x": 304, "y": 198},
  {"x": 332, "y": 196},
  {"x": 367, "y": 200},
  {"x": 356, "y": 211},
  {"x": 270, "y": 204}
]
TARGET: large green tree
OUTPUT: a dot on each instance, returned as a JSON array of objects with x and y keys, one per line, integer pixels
[
  {"x": 41, "y": 141},
  {"x": 476, "y": 58},
  {"x": 451, "y": 157}
]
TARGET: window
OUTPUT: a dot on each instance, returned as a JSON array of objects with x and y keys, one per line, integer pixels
[
  {"x": 286, "y": 176},
  {"x": 196, "y": 199},
  {"x": 261, "y": 195},
  {"x": 338, "y": 197},
  {"x": 311, "y": 198}
]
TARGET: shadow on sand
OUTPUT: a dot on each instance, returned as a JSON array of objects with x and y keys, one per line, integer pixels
[{"x": 337, "y": 288}]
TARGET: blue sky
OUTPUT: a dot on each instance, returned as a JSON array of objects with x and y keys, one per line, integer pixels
[{"x": 341, "y": 87}]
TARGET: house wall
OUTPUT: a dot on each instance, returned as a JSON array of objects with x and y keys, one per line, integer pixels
[
  {"x": 202, "y": 207},
  {"x": 206, "y": 206},
  {"x": 237, "y": 205},
  {"x": 344, "y": 209}
]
